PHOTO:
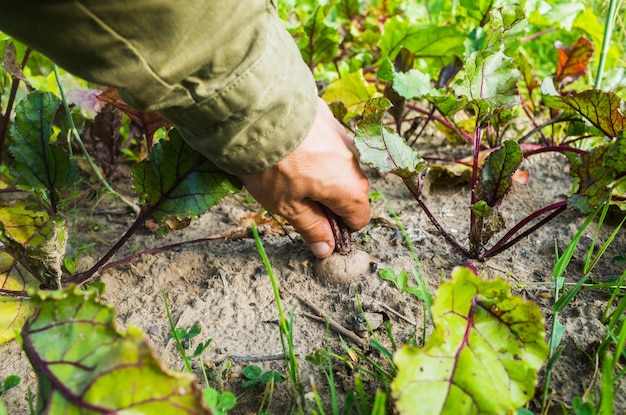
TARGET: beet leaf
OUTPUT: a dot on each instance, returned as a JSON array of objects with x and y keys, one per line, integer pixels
[
  {"x": 35, "y": 239},
  {"x": 497, "y": 172},
  {"x": 483, "y": 356},
  {"x": 602, "y": 109},
  {"x": 178, "y": 183},
  {"x": 85, "y": 365},
  {"x": 319, "y": 41},
  {"x": 490, "y": 83},
  {"x": 383, "y": 148},
  {"x": 14, "y": 279},
  {"x": 39, "y": 167},
  {"x": 594, "y": 172}
]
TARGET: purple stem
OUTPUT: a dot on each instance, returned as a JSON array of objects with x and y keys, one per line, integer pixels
[
  {"x": 451, "y": 239},
  {"x": 504, "y": 242},
  {"x": 441, "y": 121},
  {"x": 4, "y": 121},
  {"x": 84, "y": 276},
  {"x": 474, "y": 198}
]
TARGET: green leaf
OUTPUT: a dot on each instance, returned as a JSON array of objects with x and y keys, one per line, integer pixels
[
  {"x": 594, "y": 173},
  {"x": 490, "y": 83},
  {"x": 10, "y": 382},
  {"x": 82, "y": 361},
  {"x": 413, "y": 84},
  {"x": 36, "y": 236},
  {"x": 582, "y": 408},
  {"x": 177, "y": 182},
  {"x": 482, "y": 357},
  {"x": 424, "y": 40},
  {"x": 497, "y": 172},
  {"x": 602, "y": 109},
  {"x": 39, "y": 166},
  {"x": 219, "y": 402},
  {"x": 14, "y": 311},
  {"x": 503, "y": 20},
  {"x": 381, "y": 147},
  {"x": 353, "y": 91},
  {"x": 319, "y": 42},
  {"x": 252, "y": 372}
]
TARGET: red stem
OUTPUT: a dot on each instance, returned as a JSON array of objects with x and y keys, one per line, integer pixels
[{"x": 441, "y": 121}]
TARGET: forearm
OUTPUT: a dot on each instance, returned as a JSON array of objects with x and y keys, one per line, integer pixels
[{"x": 226, "y": 73}]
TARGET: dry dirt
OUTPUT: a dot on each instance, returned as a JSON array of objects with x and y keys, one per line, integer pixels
[{"x": 224, "y": 287}]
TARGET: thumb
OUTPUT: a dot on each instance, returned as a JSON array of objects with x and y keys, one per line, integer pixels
[{"x": 310, "y": 221}]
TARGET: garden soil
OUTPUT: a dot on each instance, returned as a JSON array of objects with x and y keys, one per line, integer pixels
[{"x": 223, "y": 286}]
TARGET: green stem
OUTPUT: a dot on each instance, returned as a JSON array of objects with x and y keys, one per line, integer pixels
[
  {"x": 83, "y": 149},
  {"x": 611, "y": 15},
  {"x": 179, "y": 344}
]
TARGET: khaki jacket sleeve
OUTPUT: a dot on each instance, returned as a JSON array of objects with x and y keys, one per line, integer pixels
[{"x": 225, "y": 72}]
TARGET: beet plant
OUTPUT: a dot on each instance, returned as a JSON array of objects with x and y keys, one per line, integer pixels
[
  {"x": 469, "y": 70},
  {"x": 389, "y": 70}
]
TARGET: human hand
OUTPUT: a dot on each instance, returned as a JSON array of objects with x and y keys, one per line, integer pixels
[{"x": 323, "y": 170}]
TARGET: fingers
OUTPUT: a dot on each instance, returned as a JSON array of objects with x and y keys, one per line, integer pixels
[{"x": 310, "y": 221}]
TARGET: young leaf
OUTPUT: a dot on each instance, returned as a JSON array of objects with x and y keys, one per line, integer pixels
[
  {"x": 178, "y": 182},
  {"x": 490, "y": 83},
  {"x": 84, "y": 363},
  {"x": 320, "y": 42},
  {"x": 503, "y": 20},
  {"x": 602, "y": 109},
  {"x": 482, "y": 357},
  {"x": 497, "y": 172},
  {"x": 353, "y": 91},
  {"x": 39, "y": 166},
  {"x": 383, "y": 148},
  {"x": 573, "y": 61},
  {"x": 14, "y": 311},
  {"x": 488, "y": 222}
]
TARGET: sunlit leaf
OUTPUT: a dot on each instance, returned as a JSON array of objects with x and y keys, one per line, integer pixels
[
  {"x": 320, "y": 41},
  {"x": 178, "y": 182},
  {"x": 594, "y": 172},
  {"x": 483, "y": 356},
  {"x": 39, "y": 166},
  {"x": 33, "y": 234},
  {"x": 503, "y": 20},
  {"x": 602, "y": 109},
  {"x": 573, "y": 61},
  {"x": 417, "y": 84},
  {"x": 13, "y": 311},
  {"x": 348, "y": 9},
  {"x": 352, "y": 90},
  {"x": 490, "y": 83},
  {"x": 432, "y": 41},
  {"x": 413, "y": 84},
  {"x": 85, "y": 365},
  {"x": 383, "y": 148}
]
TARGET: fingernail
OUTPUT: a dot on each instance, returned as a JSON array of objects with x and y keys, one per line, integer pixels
[{"x": 319, "y": 249}]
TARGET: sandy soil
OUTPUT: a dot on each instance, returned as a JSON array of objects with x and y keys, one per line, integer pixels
[{"x": 223, "y": 286}]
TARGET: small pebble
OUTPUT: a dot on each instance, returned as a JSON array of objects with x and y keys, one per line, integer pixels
[
  {"x": 360, "y": 321},
  {"x": 153, "y": 330}
]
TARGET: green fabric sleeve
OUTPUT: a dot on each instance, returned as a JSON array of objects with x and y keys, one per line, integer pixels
[{"x": 225, "y": 72}]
